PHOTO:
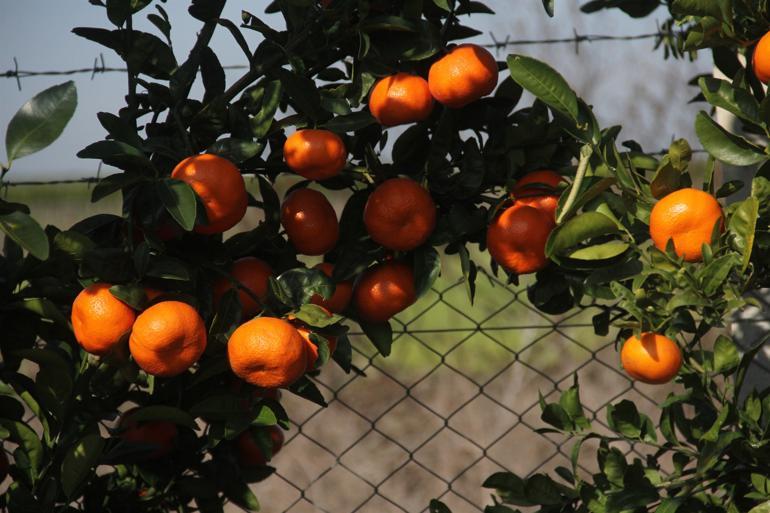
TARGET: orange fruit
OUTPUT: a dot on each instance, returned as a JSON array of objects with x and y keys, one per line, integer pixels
[
  {"x": 248, "y": 451},
  {"x": 267, "y": 352},
  {"x": 384, "y": 290},
  {"x": 399, "y": 214},
  {"x": 315, "y": 154},
  {"x": 342, "y": 292},
  {"x": 651, "y": 358},
  {"x": 310, "y": 222},
  {"x": 168, "y": 338},
  {"x": 100, "y": 321},
  {"x": 687, "y": 216},
  {"x": 252, "y": 274},
  {"x": 160, "y": 433},
  {"x": 462, "y": 76},
  {"x": 400, "y": 99},
  {"x": 761, "y": 59},
  {"x": 220, "y": 186},
  {"x": 533, "y": 190},
  {"x": 516, "y": 238}
]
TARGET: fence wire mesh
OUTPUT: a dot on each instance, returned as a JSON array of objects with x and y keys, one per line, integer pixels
[{"x": 455, "y": 402}]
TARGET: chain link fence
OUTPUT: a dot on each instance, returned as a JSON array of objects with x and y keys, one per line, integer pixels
[{"x": 455, "y": 402}]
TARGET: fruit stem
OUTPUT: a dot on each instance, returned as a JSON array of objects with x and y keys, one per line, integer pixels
[{"x": 585, "y": 154}]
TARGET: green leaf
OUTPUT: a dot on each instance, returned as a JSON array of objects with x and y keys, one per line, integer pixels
[
  {"x": 510, "y": 488},
  {"x": 725, "y": 146},
  {"x": 241, "y": 495},
  {"x": 303, "y": 93},
  {"x": 762, "y": 508},
  {"x": 235, "y": 150},
  {"x": 625, "y": 419},
  {"x": 427, "y": 267},
  {"x": 381, "y": 335},
  {"x": 114, "y": 183},
  {"x": 436, "y": 506},
  {"x": 715, "y": 273},
  {"x": 666, "y": 180},
  {"x": 306, "y": 389},
  {"x": 116, "y": 152},
  {"x": 541, "y": 489},
  {"x": 302, "y": 284},
  {"x": 78, "y": 462},
  {"x": 271, "y": 99},
  {"x": 388, "y": 23},
  {"x": 548, "y": 6},
  {"x": 739, "y": 102},
  {"x": 180, "y": 201},
  {"x": 726, "y": 355},
  {"x": 73, "y": 243},
  {"x": 742, "y": 226},
  {"x": 41, "y": 120},
  {"x": 579, "y": 229},
  {"x": 316, "y": 316},
  {"x": 26, "y": 232},
  {"x": 350, "y": 122},
  {"x": 45, "y": 308},
  {"x": 545, "y": 83},
  {"x": 669, "y": 505},
  {"x": 603, "y": 251},
  {"x": 713, "y": 432},
  {"x": 29, "y": 444}
]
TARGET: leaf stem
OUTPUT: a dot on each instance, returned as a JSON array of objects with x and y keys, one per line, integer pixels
[{"x": 585, "y": 154}]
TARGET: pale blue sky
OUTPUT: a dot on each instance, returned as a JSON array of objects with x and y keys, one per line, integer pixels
[{"x": 626, "y": 82}]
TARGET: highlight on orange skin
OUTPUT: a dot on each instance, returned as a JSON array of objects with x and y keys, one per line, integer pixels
[{"x": 315, "y": 154}]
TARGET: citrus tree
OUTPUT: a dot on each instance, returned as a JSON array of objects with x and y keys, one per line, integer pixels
[
  {"x": 708, "y": 450},
  {"x": 144, "y": 353}
]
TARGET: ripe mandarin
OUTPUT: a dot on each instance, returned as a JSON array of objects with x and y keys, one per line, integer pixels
[
  {"x": 315, "y": 154},
  {"x": 651, "y": 358},
  {"x": 687, "y": 216},
  {"x": 310, "y": 222},
  {"x": 462, "y": 76},
  {"x": 400, "y": 99},
  {"x": 167, "y": 338},
  {"x": 761, "y": 59},
  {"x": 384, "y": 290},
  {"x": 400, "y": 214},
  {"x": 219, "y": 184},
  {"x": 100, "y": 321},
  {"x": 267, "y": 352},
  {"x": 516, "y": 238}
]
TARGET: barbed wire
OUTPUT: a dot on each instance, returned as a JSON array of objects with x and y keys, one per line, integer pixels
[{"x": 99, "y": 65}]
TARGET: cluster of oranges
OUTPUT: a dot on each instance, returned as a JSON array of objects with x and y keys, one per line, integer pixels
[
  {"x": 687, "y": 220},
  {"x": 168, "y": 337}
]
